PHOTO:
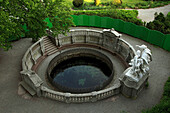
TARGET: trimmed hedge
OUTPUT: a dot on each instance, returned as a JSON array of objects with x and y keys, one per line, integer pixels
[
  {"x": 126, "y": 15},
  {"x": 151, "y": 36}
]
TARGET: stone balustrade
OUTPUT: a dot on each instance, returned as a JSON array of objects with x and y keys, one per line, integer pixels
[
  {"x": 108, "y": 39},
  {"x": 79, "y": 98},
  {"x": 33, "y": 54}
]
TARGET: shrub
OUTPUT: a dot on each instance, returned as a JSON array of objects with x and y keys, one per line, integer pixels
[
  {"x": 160, "y": 23},
  {"x": 164, "y": 105},
  {"x": 116, "y": 2},
  {"x": 78, "y": 3},
  {"x": 119, "y": 4},
  {"x": 126, "y": 15},
  {"x": 97, "y": 2}
]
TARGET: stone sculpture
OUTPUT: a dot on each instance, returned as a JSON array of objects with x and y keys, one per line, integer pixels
[{"x": 140, "y": 63}]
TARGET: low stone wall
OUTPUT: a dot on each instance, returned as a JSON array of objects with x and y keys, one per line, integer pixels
[
  {"x": 29, "y": 60},
  {"x": 125, "y": 50},
  {"x": 33, "y": 54},
  {"x": 108, "y": 39},
  {"x": 79, "y": 98}
]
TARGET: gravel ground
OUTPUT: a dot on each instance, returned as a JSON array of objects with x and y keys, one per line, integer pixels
[
  {"x": 147, "y": 15},
  {"x": 11, "y": 102}
]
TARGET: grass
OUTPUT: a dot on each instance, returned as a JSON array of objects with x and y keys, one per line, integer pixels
[{"x": 164, "y": 105}]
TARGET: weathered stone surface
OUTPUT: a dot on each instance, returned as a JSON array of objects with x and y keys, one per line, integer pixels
[{"x": 130, "y": 87}]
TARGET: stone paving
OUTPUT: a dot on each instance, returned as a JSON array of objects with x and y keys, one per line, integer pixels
[{"x": 11, "y": 102}]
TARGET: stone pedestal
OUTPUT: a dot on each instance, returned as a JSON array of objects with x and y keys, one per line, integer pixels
[{"x": 131, "y": 87}]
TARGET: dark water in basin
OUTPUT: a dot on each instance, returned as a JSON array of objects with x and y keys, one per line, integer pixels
[{"x": 80, "y": 72}]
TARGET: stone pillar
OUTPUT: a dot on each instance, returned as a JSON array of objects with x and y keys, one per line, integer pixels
[
  {"x": 67, "y": 97},
  {"x": 31, "y": 52},
  {"x": 118, "y": 46},
  {"x": 94, "y": 94},
  {"x": 42, "y": 46},
  {"x": 110, "y": 38},
  {"x": 128, "y": 59},
  {"x": 33, "y": 81}
]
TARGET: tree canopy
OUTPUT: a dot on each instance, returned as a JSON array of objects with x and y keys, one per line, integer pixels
[{"x": 14, "y": 14}]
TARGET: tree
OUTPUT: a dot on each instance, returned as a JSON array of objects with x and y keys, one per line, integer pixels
[
  {"x": 78, "y": 3},
  {"x": 7, "y": 29},
  {"x": 97, "y": 2},
  {"x": 32, "y": 13},
  {"x": 160, "y": 23}
]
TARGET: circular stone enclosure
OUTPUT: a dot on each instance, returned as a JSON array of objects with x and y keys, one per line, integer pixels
[
  {"x": 80, "y": 70},
  {"x": 101, "y": 46}
]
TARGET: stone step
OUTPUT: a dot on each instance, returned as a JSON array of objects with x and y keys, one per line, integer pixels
[
  {"x": 52, "y": 52},
  {"x": 46, "y": 42},
  {"x": 49, "y": 48},
  {"x": 52, "y": 49},
  {"x": 48, "y": 51},
  {"x": 27, "y": 87},
  {"x": 46, "y": 38},
  {"x": 49, "y": 44}
]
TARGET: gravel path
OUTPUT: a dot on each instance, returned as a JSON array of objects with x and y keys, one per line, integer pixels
[
  {"x": 11, "y": 102},
  {"x": 148, "y": 14}
]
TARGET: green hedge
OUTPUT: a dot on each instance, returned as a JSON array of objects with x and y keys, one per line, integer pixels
[
  {"x": 166, "y": 44},
  {"x": 142, "y": 33},
  {"x": 126, "y": 15},
  {"x": 156, "y": 38},
  {"x": 95, "y": 20},
  {"x": 151, "y": 36}
]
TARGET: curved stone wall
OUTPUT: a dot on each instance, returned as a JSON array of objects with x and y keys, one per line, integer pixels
[{"x": 106, "y": 39}]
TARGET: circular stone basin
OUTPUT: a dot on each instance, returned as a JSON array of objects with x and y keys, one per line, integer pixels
[{"x": 81, "y": 72}]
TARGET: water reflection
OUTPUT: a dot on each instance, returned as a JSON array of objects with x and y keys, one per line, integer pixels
[{"x": 80, "y": 72}]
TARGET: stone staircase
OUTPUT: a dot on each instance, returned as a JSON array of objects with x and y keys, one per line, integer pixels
[{"x": 50, "y": 48}]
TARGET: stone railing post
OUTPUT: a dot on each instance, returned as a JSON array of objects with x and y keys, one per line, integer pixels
[
  {"x": 31, "y": 52},
  {"x": 94, "y": 98},
  {"x": 42, "y": 46},
  {"x": 118, "y": 47},
  {"x": 128, "y": 56},
  {"x": 87, "y": 36},
  {"x": 67, "y": 97}
]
